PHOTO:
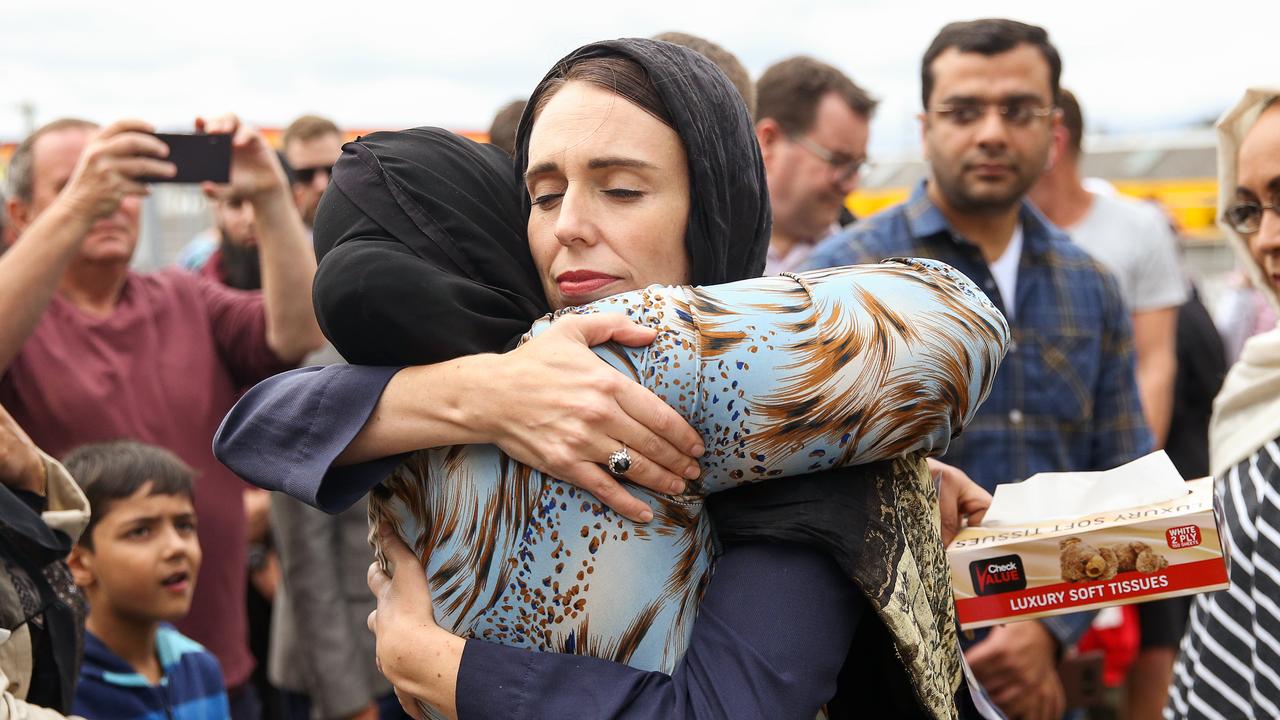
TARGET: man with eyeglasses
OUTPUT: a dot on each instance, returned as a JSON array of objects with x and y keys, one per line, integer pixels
[
  {"x": 1065, "y": 398},
  {"x": 812, "y": 122}
]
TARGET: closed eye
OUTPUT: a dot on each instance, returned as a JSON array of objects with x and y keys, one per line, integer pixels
[
  {"x": 546, "y": 202},
  {"x": 624, "y": 193}
]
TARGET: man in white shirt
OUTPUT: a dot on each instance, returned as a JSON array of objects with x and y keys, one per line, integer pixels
[{"x": 1134, "y": 241}]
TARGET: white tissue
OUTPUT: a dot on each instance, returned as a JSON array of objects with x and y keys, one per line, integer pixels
[{"x": 1056, "y": 496}]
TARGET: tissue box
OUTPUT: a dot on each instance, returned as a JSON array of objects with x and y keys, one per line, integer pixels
[{"x": 1112, "y": 557}]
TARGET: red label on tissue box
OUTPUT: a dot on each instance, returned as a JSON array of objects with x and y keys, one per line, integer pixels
[{"x": 1184, "y": 536}]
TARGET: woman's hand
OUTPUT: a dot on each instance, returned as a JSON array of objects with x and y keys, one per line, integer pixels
[
  {"x": 420, "y": 658},
  {"x": 960, "y": 499},
  {"x": 556, "y": 406}
]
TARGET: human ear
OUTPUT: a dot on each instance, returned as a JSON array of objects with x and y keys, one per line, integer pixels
[
  {"x": 1057, "y": 146},
  {"x": 768, "y": 134},
  {"x": 19, "y": 213},
  {"x": 80, "y": 561}
]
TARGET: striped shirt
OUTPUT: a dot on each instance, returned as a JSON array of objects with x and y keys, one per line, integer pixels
[
  {"x": 190, "y": 688},
  {"x": 1229, "y": 662}
]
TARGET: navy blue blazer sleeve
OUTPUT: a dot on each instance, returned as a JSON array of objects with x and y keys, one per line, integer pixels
[
  {"x": 285, "y": 433},
  {"x": 772, "y": 633}
]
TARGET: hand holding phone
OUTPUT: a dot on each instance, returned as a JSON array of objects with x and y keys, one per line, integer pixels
[
  {"x": 113, "y": 166},
  {"x": 255, "y": 169}
]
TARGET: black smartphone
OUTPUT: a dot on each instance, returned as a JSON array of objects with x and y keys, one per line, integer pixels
[{"x": 199, "y": 158}]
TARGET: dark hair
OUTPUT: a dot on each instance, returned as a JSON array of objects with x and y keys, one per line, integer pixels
[
  {"x": 502, "y": 132},
  {"x": 1072, "y": 119},
  {"x": 727, "y": 232},
  {"x": 22, "y": 178},
  {"x": 989, "y": 36},
  {"x": 618, "y": 75},
  {"x": 308, "y": 127},
  {"x": 112, "y": 471},
  {"x": 728, "y": 63},
  {"x": 789, "y": 92}
]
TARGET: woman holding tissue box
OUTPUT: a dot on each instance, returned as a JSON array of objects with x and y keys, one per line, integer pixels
[{"x": 1226, "y": 666}]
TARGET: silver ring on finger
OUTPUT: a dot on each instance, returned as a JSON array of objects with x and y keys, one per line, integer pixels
[{"x": 620, "y": 461}]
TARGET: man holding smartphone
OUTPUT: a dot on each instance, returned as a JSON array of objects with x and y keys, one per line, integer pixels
[{"x": 91, "y": 350}]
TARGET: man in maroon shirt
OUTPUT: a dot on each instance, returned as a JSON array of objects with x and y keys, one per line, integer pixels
[{"x": 93, "y": 351}]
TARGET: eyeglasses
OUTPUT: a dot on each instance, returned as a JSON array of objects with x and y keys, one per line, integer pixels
[
  {"x": 845, "y": 167},
  {"x": 308, "y": 174},
  {"x": 1017, "y": 114},
  {"x": 1246, "y": 217}
]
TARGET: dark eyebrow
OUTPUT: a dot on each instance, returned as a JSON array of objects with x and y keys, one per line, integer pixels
[
  {"x": 549, "y": 166},
  {"x": 1016, "y": 97},
  {"x": 143, "y": 520},
  {"x": 1273, "y": 187},
  {"x": 608, "y": 162},
  {"x": 541, "y": 168}
]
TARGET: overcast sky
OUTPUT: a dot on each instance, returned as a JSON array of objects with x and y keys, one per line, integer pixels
[{"x": 1136, "y": 66}]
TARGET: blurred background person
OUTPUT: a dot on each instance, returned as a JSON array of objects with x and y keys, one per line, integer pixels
[
  {"x": 1133, "y": 241},
  {"x": 813, "y": 124},
  {"x": 502, "y": 131},
  {"x": 93, "y": 351},
  {"x": 311, "y": 145},
  {"x": 728, "y": 63},
  {"x": 234, "y": 262},
  {"x": 1243, "y": 310}
]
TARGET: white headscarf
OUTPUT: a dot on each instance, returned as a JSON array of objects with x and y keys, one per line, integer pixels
[{"x": 1246, "y": 414}]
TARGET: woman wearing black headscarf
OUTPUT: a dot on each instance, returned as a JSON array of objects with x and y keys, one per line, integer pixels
[{"x": 716, "y": 186}]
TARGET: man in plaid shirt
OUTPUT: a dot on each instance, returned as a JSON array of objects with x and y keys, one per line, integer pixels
[{"x": 1065, "y": 398}]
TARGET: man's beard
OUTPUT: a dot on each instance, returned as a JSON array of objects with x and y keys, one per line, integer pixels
[
  {"x": 309, "y": 214},
  {"x": 967, "y": 195},
  {"x": 241, "y": 266}
]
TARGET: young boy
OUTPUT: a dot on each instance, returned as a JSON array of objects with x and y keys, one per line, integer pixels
[{"x": 137, "y": 563}]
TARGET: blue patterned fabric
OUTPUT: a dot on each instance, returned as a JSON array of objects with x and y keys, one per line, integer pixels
[
  {"x": 1065, "y": 398},
  {"x": 782, "y": 376},
  {"x": 190, "y": 688}
]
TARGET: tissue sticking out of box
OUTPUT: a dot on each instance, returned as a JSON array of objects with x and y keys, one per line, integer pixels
[{"x": 1054, "y": 496}]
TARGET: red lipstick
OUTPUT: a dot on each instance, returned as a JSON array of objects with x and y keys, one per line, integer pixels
[{"x": 580, "y": 283}]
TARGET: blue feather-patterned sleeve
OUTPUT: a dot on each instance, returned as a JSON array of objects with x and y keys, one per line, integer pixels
[{"x": 801, "y": 373}]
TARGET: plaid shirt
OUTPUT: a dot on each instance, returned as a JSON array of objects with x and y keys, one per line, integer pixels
[{"x": 1065, "y": 397}]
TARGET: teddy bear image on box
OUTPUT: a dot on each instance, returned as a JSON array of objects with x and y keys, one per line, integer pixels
[{"x": 1082, "y": 562}]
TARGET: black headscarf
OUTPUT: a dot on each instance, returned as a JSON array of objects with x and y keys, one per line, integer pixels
[
  {"x": 729, "y": 215},
  {"x": 423, "y": 250},
  {"x": 422, "y": 233}
]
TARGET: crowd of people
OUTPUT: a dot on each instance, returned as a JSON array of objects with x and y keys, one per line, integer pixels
[{"x": 641, "y": 420}]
